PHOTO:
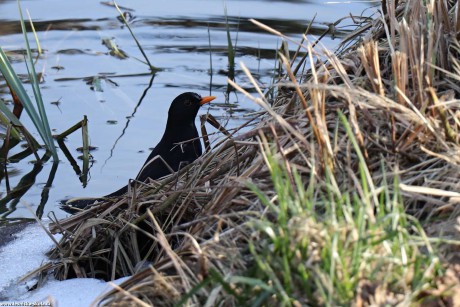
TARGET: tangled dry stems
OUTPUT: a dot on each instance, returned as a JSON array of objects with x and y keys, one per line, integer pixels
[{"x": 398, "y": 88}]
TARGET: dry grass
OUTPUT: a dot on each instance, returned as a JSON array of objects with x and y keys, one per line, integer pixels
[{"x": 397, "y": 88}]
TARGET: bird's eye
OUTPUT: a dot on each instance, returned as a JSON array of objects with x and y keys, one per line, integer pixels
[{"x": 187, "y": 103}]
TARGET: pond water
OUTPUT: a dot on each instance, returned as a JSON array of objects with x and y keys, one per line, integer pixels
[{"x": 186, "y": 39}]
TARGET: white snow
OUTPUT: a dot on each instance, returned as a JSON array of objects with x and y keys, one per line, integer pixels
[
  {"x": 76, "y": 292},
  {"x": 25, "y": 254}
]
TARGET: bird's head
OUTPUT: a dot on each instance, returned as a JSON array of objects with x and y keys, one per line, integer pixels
[{"x": 184, "y": 108}]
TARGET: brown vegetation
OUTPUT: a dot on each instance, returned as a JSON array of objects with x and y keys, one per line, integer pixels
[{"x": 398, "y": 88}]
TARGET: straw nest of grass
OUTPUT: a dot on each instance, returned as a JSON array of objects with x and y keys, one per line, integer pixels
[{"x": 343, "y": 191}]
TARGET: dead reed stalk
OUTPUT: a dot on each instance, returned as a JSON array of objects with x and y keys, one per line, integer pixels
[{"x": 398, "y": 89}]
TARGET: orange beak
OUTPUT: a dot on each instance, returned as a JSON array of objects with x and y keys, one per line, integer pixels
[{"x": 207, "y": 99}]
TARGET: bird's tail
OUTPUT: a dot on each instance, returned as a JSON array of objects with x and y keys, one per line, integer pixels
[{"x": 75, "y": 205}]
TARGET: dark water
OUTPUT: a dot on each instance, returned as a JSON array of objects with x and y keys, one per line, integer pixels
[{"x": 81, "y": 77}]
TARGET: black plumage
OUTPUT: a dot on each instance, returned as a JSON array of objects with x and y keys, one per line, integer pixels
[{"x": 179, "y": 146}]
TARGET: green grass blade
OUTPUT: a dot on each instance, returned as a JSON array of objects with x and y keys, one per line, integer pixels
[
  {"x": 230, "y": 49},
  {"x": 11, "y": 117},
  {"x": 5, "y": 119},
  {"x": 47, "y": 136},
  {"x": 153, "y": 68},
  {"x": 39, "y": 48},
  {"x": 16, "y": 85}
]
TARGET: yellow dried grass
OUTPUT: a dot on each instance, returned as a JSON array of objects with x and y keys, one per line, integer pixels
[{"x": 397, "y": 91}]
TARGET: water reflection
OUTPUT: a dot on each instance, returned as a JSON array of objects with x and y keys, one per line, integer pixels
[{"x": 85, "y": 77}]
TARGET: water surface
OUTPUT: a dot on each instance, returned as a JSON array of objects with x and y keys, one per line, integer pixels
[{"x": 186, "y": 39}]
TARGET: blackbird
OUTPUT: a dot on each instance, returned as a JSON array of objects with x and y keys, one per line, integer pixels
[{"x": 179, "y": 146}]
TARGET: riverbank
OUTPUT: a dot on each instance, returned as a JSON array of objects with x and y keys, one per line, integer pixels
[{"x": 343, "y": 191}]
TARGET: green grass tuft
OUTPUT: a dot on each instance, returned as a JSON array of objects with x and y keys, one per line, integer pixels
[{"x": 320, "y": 245}]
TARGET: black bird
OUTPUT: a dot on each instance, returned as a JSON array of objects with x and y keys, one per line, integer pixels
[{"x": 179, "y": 146}]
